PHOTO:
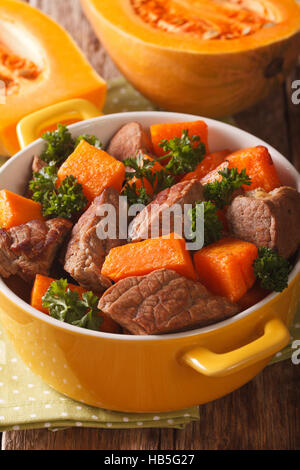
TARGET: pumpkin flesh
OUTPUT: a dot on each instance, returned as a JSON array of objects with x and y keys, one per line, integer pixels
[
  {"x": 15, "y": 71},
  {"x": 204, "y": 19},
  {"x": 40, "y": 65},
  {"x": 187, "y": 68}
]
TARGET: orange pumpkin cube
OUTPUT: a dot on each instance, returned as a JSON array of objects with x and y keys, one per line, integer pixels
[
  {"x": 17, "y": 210},
  {"x": 160, "y": 132},
  {"x": 209, "y": 163},
  {"x": 258, "y": 164},
  {"x": 94, "y": 169},
  {"x": 226, "y": 267},
  {"x": 139, "y": 259}
]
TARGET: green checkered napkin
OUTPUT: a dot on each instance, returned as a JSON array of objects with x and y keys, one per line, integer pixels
[{"x": 26, "y": 402}]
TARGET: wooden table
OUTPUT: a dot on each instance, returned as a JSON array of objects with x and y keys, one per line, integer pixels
[{"x": 263, "y": 414}]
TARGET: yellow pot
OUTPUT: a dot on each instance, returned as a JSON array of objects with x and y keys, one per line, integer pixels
[{"x": 155, "y": 373}]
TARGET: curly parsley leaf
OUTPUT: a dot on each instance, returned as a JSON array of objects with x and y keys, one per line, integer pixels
[
  {"x": 272, "y": 270},
  {"x": 183, "y": 154},
  {"x": 221, "y": 192},
  {"x": 212, "y": 225},
  {"x": 163, "y": 180},
  {"x": 60, "y": 145},
  {"x": 44, "y": 182},
  {"x": 142, "y": 168},
  {"x": 136, "y": 195},
  {"x": 65, "y": 201},
  {"x": 91, "y": 320},
  {"x": 66, "y": 305},
  {"x": 90, "y": 139}
]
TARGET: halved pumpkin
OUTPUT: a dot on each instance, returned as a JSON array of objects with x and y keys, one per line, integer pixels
[
  {"x": 207, "y": 57},
  {"x": 40, "y": 65}
]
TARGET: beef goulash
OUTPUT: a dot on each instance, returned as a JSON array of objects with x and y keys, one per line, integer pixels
[
  {"x": 30, "y": 249},
  {"x": 129, "y": 141},
  {"x": 267, "y": 219},
  {"x": 86, "y": 252},
  {"x": 163, "y": 301},
  {"x": 66, "y": 237},
  {"x": 187, "y": 192}
]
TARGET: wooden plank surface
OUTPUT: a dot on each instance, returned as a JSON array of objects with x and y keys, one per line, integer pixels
[{"x": 263, "y": 414}]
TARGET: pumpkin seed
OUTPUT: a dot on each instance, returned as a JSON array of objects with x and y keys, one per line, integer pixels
[
  {"x": 246, "y": 31},
  {"x": 268, "y": 25},
  {"x": 210, "y": 34}
]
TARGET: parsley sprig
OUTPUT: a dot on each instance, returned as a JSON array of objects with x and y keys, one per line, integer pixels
[
  {"x": 142, "y": 169},
  {"x": 163, "y": 180},
  {"x": 136, "y": 195},
  {"x": 65, "y": 201},
  {"x": 60, "y": 144},
  {"x": 271, "y": 269},
  {"x": 67, "y": 306},
  {"x": 212, "y": 225},
  {"x": 90, "y": 139},
  {"x": 221, "y": 192},
  {"x": 184, "y": 155}
]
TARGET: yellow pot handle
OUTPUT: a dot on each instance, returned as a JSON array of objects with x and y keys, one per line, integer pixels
[
  {"x": 30, "y": 127},
  {"x": 276, "y": 336}
]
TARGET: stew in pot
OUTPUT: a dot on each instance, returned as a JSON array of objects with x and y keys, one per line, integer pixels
[{"x": 152, "y": 235}]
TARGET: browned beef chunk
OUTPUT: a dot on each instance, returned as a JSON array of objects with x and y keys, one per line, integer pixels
[
  {"x": 86, "y": 251},
  {"x": 187, "y": 192},
  {"x": 162, "y": 302},
  {"x": 267, "y": 219},
  {"x": 38, "y": 164},
  {"x": 129, "y": 141},
  {"x": 30, "y": 249}
]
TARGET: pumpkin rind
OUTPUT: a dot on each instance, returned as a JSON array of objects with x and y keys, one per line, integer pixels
[
  {"x": 64, "y": 73},
  {"x": 185, "y": 74}
]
